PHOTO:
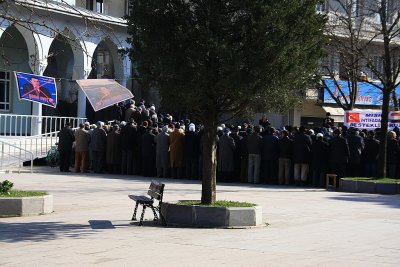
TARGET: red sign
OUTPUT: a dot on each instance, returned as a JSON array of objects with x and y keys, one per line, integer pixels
[{"x": 353, "y": 117}]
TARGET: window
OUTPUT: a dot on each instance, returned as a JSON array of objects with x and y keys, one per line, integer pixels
[
  {"x": 5, "y": 82},
  {"x": 322, "y": 7},
  {"x": 95, "y": 5},
  {"x": 328, "y": 64},
  {"x": 99, "y": 6}
]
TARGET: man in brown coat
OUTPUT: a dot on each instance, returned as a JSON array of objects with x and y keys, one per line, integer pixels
[
  {"x": 82, "y": 140},
  {"x": 176, "y": 146}
]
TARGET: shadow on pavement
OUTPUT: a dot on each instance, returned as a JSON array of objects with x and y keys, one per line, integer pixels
[
  {"x": 101, "y": 224},
  {"x": 390, "y": 201},
  {"x": 41, "y": 231}
]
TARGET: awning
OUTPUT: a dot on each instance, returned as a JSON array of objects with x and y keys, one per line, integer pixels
[
  {"x": 336, "y": 113},
  {"x": 103, "y": 93}
]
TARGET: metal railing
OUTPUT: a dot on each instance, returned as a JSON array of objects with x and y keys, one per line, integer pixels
[
  {"x": 17, "y": 143},
  {"x": 11, "y": 155},
  {"x": 23, "y": 125}
]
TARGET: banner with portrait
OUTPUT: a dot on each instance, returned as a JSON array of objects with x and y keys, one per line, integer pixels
[
  {"x": 369, "y": 119},
  {"x": 37, "y": 88},
  {"x": 103, "y": 93}
]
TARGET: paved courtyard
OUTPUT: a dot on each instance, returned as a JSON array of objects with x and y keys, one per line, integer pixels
[{"x": 304, "y": 227}]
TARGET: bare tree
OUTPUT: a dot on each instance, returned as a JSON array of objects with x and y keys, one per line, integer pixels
[{"x": 366, "y": 36}]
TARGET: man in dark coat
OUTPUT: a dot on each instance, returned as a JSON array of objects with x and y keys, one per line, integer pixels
[
  {"x": 162, "y": 153},
  {"x": 99, "y": 139},
  {"x": 356, "y": 146},
  {"x": 226, "y": 149},
  {"x": 148, "y": 153},
  {"x": 191, "y": 152},
  {"x": 270, "y": 155},
  {"x": 237, "y": 157},
  {"x": 319, "y": 160},
  {"x": 370, "y": 154},
  {"x": 339, "y": 154},
  {"x": 301, "y": 155},
  {"x": 65, "y": 141},
  {"x": 393, "y": 153},
  {"x": 128, "y": 147},
  {"x": 113, "y": 155},
  {"x": 254, "y": 152},
  {"x": 285, "y": 158}
]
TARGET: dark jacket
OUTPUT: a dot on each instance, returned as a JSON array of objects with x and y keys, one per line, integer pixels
[
  {"x": 320, "y": 156},
  {"x": 301, "y": 148},
  {"x": 226, "y": 148},
  {"x": 285, "y": 148},
  {"x": 129, "y": 138},
  {"x": 192, "y": 145},
  {"x": 339, "y": 150},
  {"x": 270, "y": 147},
  {"x": 392, "y": 151},
  {"x": 99, "y": 139},
  {"x": 356, "y": 146},
  {"x": 371, "y": 150},
  {"x": 254, "y": 143},
  {"x": 148, "y": 145},
  {"x": 66, "y": 139}
]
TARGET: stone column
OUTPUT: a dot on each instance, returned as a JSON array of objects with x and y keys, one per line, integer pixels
[
  {"x": 36, "y": 122},
  {"x": 82, "y": 97}
]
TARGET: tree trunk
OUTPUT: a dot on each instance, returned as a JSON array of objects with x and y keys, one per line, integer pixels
[
  {"x": 209, "y": 143},
  {"x": 383, "y": 133}
]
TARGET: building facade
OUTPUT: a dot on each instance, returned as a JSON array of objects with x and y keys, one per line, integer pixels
[{"x": 66, "y": 39}]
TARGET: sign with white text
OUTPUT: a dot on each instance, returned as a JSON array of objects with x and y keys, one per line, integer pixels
[{"x": 369, "y": 119}]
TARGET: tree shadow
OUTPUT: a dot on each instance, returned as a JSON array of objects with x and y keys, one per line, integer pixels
[
  {"x": 392, "y": 201},
  {"x": 41, "y": 231}
]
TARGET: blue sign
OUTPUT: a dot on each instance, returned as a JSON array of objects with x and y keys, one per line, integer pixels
[
  {"x": 36, "y": 88},
  {"x": 367, "y": 94}
]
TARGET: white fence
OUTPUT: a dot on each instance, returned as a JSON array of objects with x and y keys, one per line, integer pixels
[
  {"x": 17, "y": 145},
  {"x": 13, "y": 157},
  {"x": 23, "y": 125}
]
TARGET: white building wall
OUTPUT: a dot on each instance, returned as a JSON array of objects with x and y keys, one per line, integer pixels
[{"x": 82, "y": 37}]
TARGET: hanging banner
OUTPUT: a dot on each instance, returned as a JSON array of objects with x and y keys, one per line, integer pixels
[
  {"x": 367, "y": 94},
  {"x": 103, "y": 93},
  {"x": 36, "y": 88},
  {"x": 369, "y": 119}
]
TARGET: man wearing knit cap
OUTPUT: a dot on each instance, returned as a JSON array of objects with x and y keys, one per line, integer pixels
[{"x": 191, "y": 151}]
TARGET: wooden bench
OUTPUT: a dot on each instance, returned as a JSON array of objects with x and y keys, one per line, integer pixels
[{"x": 156, "y": 191}]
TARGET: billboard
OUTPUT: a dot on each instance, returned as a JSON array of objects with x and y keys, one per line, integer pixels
[
  {"x": 367, "y": 94},
  {"x": 36, "y": 88},
  {"x": 103, "y": 93},
  {"x": 369, "y": 119}
]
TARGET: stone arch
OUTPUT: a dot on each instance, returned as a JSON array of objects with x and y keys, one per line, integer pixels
[
  {"x": 28, "y": 49},
  {"x": 65, "y": 62},
  {"x": 117, "y": 61}
]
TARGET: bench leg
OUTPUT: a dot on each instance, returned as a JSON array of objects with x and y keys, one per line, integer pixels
[
  {"x": 134, "y": 213},
  {"x": 141, "y": 217},
  {"x": 154, "y": 212},
  {"x": 164, "y": 222}
]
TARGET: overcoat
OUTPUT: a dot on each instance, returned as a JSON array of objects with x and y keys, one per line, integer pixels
[
  {"x": 226, "y": 150},
  {"x": 176, "y": 148}
]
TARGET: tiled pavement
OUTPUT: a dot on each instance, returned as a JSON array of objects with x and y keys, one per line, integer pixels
[{"x": 91, "y": 226}]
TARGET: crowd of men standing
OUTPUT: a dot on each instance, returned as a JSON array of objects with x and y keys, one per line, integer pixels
[{"x": 142, "y": 142}]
